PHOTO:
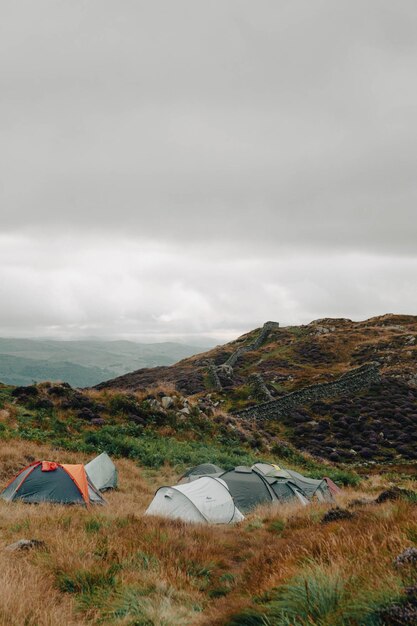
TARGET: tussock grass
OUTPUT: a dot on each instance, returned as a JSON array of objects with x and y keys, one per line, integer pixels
[{"x": 113, "y": 565}]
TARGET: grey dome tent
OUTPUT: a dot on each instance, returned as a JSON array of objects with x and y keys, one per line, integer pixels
[
  {"x": 311, "y": 487},
  {"x": 46, "y": 481},
  {"x": 287, "y": 491},
  {"x": 250, "y": 488},
  {"x": 205, "y": 500},
  {"x": 102, "y": 472},
  {"x": 204, "y": 469}
]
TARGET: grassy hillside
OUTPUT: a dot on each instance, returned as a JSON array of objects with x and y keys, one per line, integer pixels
[
  {"x": 136, "y": 426},
  {"x": 293, "y": 357},
  {"x": 283, "y": 566},
  {"x": 81, "y": 363},
  {"x": 112, "y": 565}
]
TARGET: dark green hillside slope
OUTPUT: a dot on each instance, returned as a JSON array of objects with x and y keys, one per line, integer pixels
[{"x": 81, "y": 363}]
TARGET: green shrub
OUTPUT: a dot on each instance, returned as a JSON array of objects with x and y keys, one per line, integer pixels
[
  {"x": 248, "y": 617},
  {"x": 154, "y": 450},
  {"x": 145, "y": 561},
  {"x": 308, "y": 599},
  {"x": 93, "y": 525},
  {"x": 87, "y": 581},
  {"x": 122, "y": 403},
  {"x": 323, "y": 597},
  {"x": 277, "y": 526},
  {"x": 218, "y": 592}
]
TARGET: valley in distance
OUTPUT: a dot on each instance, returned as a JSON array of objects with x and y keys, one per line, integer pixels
[{"x": 82, "y": 363}]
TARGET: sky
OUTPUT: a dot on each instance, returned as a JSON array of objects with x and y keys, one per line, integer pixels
[{"x": 190, "y": 169}]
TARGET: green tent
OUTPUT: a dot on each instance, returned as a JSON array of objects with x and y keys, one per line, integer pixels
[
  {"x": 102, "y": 472},
  {"x": 204, "y": 469},
  {"x": 249, "y": 488},
  {"x": 311, "y": 487}
]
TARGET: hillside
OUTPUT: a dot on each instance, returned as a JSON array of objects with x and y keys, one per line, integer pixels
[
  {"x": 340, "y": 390},
  {"x": 290, "y": 357},
  {"x": 113, "y": 565},
  {"x": 350, "y": 563},
  {"x": 81, "y": 363}
]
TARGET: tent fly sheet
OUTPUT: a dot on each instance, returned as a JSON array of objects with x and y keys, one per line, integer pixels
[
  {"x": 204, "y": 469},
  {"x": 311, "y": 487},
  {"x": 248, "y": 488},
  {"x": 102, "y": 472}
]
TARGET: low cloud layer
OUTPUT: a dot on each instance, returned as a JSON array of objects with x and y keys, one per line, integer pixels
[
  {"x": 173, "y": 169},
  {"x": 148, "y": 291}
]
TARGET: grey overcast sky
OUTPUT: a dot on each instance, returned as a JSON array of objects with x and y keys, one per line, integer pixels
[{"x": 188, "y": 168}]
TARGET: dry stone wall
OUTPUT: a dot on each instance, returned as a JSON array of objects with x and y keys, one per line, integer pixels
[
  {"x": 265, "y": 330},
  {"x": 352, "y": 382},
  {"x": 226, "y": 368}
]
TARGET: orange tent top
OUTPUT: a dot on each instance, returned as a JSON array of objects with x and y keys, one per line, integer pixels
[{"x": 78, "y": 475}]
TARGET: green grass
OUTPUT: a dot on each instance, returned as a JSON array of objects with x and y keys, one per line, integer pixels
[
  {"x": 319, "y": 596},
  {"x": 166, "y": 438},
  {"x": 87, "y": 581}
]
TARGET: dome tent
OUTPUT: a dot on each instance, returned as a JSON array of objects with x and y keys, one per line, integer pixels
[
  {"x": 205, "y": 500},
  {"x": 102, "y": 472},
  {"x": 287, "y": 491},
  {"x": 311, "y": 487},
  {"x": 46, "y": 481},
  {"x": 250, "y": 488},
  {"x": 204, "y": 469}
]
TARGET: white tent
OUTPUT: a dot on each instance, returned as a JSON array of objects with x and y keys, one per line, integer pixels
[
  {"x": 206, "y": 499},
  {"x": 102, "y": 472}
]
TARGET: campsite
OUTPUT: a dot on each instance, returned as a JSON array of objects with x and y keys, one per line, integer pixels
[{"x": 239, "y": 534}]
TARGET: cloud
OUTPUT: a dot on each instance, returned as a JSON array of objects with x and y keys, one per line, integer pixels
[
  {"x": 138, "y": 290},
  {"x": 175, "y": 167}
]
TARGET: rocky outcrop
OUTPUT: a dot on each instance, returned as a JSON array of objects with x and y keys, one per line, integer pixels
[
  {"x": 258, "y": 388},
  {"x": 348, "y": 384},
  {"x": 212, "y": 376}
]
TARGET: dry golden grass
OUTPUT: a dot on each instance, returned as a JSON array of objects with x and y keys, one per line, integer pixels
[
  {"x": 163, "y": 387},
  {"x": 169, "y": 572}
]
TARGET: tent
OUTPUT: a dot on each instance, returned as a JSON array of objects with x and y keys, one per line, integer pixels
[
  {"x": 334, "y": 489},
  {"x": 206, "y": 499},
  {"x": 311, "y": 487},
  {"x": 250, "y": 487},
  {"x": 286, "y": 490},
  {"x": 204, "y": 469},
  {"x": 102, "y": 472},
  {"x": 45, "y": 481}
]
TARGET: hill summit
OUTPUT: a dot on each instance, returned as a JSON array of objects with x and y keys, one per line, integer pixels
[
  {"x": 284, "y": 359},
  {"x": 340, "y": 390}
]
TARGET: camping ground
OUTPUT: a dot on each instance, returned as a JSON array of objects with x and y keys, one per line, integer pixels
[{"x": 113, "y": 565}]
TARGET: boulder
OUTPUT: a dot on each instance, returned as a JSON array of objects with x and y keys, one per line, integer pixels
[
  {"x": 25, "y": 544},
  {"x": 167, "y": 402},
  {"x": 98, "y": 421},
  {"x": 336, "y": 514},
  {"x": 408, "y": 557},
  {"x": 395, "y": 493}
]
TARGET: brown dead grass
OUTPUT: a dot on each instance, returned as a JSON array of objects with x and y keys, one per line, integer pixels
[{"x": 178, "y": 566}]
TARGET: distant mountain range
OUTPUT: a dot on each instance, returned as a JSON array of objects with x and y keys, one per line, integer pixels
[{"x": 82, "y": 363}]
